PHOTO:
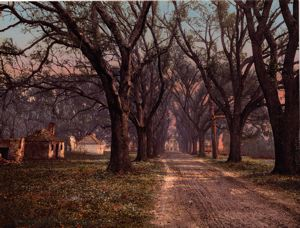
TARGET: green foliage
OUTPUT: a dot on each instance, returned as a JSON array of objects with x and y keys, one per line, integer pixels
[{"x": 76, "y": 193}]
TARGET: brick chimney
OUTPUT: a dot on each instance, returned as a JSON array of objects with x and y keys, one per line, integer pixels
[{"x": 51, "y": 128}]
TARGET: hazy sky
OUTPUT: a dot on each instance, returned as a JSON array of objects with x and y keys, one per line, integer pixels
[
  {"x": 16, "y": 34},
  {"x": 21, "y": 39}
]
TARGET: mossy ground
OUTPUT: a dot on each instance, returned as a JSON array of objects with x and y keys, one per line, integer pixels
[{"x": 77, "y": 192}]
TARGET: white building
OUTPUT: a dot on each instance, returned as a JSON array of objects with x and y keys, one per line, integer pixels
[
  {"x": 88, "y": 145},
  {"x": 172, "y": 145}
]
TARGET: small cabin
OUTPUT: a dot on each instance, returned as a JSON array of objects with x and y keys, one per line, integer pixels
[
  {"x": 43, "y": 144},
  {"x": 89, "y": 144}
]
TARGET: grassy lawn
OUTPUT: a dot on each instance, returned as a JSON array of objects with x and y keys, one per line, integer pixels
[
  {"x": 259, "y": 172},
  {"x": 76, "y": 192}
]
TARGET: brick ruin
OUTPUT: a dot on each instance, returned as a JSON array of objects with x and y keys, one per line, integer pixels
[
  {"x": 12, "y": 149},
  {"x": 42, "y": 144}
]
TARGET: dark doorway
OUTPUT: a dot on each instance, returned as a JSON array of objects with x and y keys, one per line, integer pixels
[{"x": 4, "y": 152}]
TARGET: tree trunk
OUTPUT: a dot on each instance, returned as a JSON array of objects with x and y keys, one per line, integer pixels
[
  {"x": 235, "y": 141},
  {"x": 183, "y": 146},
  {"x": 119, "y": 157},
  {"x": 285, "y": 126},
  {"x": 194, "y": 147},
  {"x": 214, "y": 146},
  {"x": 158, "y": 148},
  {"x": 156, "y": 151},
  {"x": 201, "y": 145},
  {"x": 284, "y": 121},
  {"x": 213, "y": 131},
  {"x": 191, "y": 147},
  {"x": 186, "y": 146},
  {"x": 150, "y": 152},
  {"x": 285, "y": 140},
  {"x": 142, "y": 144}
]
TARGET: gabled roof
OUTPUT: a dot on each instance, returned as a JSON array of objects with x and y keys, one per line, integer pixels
[
  {"x": 90, "y": 139},
  {"x": 43, "y": 135}
]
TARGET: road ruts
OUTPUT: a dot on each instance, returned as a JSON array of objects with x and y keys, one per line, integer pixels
[{"x": 195, "y": 194}]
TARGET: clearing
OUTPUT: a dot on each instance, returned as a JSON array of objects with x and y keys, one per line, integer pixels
[{"x": 196, "y": 193}]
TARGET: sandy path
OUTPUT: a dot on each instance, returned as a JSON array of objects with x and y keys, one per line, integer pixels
[{"x": 195, "y": 194}]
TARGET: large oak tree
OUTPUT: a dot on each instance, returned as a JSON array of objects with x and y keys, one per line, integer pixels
[
  {"x": 96, "y": 30},
  {"x": 277, "y": 75}
]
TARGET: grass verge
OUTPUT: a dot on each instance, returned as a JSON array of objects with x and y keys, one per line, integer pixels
[
  {"x": 259, "y": 172},
  {"x": 76, "y": 193}
]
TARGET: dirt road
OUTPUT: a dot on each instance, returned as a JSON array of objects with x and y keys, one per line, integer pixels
[{"x": 196, "y": 194}]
